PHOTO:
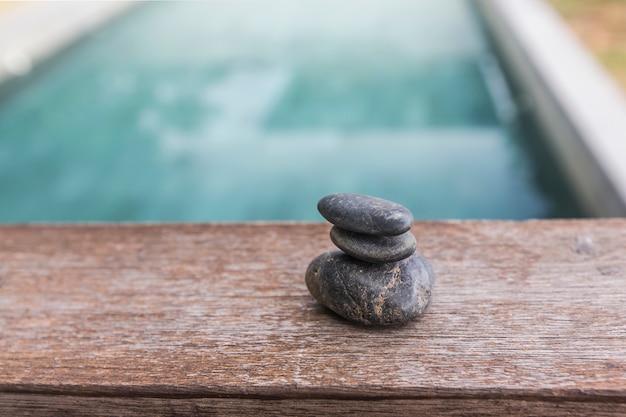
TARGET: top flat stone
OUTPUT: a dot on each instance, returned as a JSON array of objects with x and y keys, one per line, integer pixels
[{"x": 365, "y": 214}]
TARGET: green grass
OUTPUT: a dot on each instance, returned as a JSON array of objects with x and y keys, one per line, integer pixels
[
  {"x": 601, "y": 25},
  {"x": 574, "y": 8}
]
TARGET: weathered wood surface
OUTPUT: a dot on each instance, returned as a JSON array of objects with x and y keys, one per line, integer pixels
[{"x": 527, "y": 319}]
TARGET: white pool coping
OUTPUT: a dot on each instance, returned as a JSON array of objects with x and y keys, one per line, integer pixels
[
  {"x": 581, "y": 107},
  {"x": 31, "y": 32}
]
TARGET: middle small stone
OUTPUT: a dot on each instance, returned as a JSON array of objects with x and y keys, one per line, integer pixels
[{"x": 374, "y": 249}]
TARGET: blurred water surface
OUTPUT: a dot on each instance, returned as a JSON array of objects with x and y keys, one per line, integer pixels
[{"x": 229, "y": 111}]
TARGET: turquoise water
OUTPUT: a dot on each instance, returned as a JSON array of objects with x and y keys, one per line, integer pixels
[{"x": 228, "y": 111}]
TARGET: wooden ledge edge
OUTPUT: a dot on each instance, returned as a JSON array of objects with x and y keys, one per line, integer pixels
[
  {"x": 281, "y": 223},
  {"x": 326, "y": 393}
]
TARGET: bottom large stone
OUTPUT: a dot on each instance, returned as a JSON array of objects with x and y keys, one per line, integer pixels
[{"x": 371, "y": 294}]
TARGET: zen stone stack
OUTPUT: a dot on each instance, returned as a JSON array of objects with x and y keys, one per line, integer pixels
[{"x": 377, "y": 278}]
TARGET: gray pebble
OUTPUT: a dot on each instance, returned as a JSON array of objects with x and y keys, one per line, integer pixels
[
  {"x": 365, "y": 214},
  {"x": 371, "y": 294},
  {"x": 374, "y": 249}
]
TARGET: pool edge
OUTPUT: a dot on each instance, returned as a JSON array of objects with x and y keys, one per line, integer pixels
[
  {"x": 586, "y": 125},
  {"x": 58, "y": 25}
]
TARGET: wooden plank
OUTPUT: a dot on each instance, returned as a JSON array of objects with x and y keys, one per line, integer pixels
[
  {"x": 467, "y": 407},
  {"x": 526, "y": 318}
]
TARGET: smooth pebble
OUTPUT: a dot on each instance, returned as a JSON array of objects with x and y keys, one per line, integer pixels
[
  {"x": 371, "y": 294},
  {"x": 374, "y": 249},
  {"x": 365, "y": 214}
]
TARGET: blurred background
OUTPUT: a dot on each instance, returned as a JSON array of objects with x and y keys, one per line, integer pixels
[
  {"x": 254, "y": 110},
  {"x": 601, "y": 26}
]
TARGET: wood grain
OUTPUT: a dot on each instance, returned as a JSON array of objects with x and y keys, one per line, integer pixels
[{"x": 527, "y": 318}]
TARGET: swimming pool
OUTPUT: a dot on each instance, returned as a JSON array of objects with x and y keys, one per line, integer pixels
[{"x": 231, "y": 111}]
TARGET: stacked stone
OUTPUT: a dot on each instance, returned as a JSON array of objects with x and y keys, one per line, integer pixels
[{"x": 377, "y": 278}]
